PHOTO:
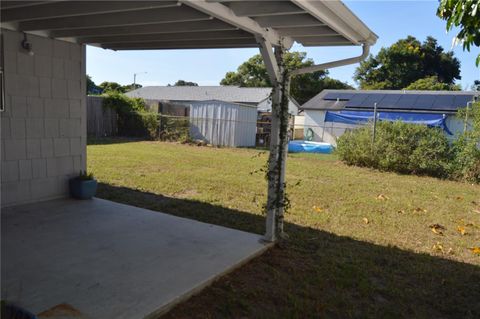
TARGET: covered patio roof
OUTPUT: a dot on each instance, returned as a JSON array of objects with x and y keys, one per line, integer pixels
[{"x": 188, "y": 24}]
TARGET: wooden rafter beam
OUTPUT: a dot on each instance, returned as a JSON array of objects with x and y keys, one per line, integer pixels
[
  {"x": 145, "y": 16},
  {"x": 58, "y": 9},
  {"x": 263, "y": 8},
  {"x": 189, "y": 44},
  {"x": 183, "y": 36},
  {"x": 167, "y": 27}
]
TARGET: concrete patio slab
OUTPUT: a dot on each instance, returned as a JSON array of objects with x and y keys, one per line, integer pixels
[{"x": 108, "y": 260}]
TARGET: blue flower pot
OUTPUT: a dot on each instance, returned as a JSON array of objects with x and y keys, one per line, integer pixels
[{"x": 83, "y": 189}]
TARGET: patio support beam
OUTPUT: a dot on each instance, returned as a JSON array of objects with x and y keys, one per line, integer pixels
[
  {"x": 221, "y": 12},
  {"x": 280, "y": 78},
  {"x": 273, "y": 59},
  {"x": 267, "y": 52}
]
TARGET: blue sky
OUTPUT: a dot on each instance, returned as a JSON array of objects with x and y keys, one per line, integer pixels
[{"x": 390, "y": 20}]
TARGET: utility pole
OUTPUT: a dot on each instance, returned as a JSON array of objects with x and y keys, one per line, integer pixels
[
  {"x": 465, "y": 124},
  {"x": 374, "y": 123},
  {"x": 135, "y": 79}
]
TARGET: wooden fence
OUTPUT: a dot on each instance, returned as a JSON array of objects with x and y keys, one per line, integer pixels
[{"x": 100, "y": 121}]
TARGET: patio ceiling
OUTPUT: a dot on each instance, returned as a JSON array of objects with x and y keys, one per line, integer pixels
[{"x": 188, "y": 24}]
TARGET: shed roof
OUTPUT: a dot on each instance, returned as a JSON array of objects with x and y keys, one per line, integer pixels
[
  {"x": 391, "y": 100},
  {"x": 184, "y": 24},
  {"x": 203, "y": 93}
]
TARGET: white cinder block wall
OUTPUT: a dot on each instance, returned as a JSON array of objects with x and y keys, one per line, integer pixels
[
  {"x": 43, "y": 128},
  {"x": 315, "y": 120}
]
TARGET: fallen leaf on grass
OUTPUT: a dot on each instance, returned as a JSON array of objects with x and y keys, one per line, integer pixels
[
  {"x": 475, "y": 250},
  {"x": 401, "y": 211},
  {"x": 317, "y": 209},
  {"x": 461, "y": 230},
  {"x": 365, "y": 220},
  {"x": 476, "y": 211},
  {"x": 382, "y": 197},
  {"x": 459, "y": 197},
  {"x": 437, "y": 229},
  {"x": 437, "y": 247},
  {"x": 419, "y": 210}
]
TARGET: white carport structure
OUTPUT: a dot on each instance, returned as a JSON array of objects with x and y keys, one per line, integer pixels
[{"x": 272, "y": 26}]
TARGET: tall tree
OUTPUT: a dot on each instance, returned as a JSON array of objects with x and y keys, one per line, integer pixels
[
  {"x": 405, "y": 62},
  {"x": 184, "y": 83},
  {"x": 476, "y": 85},
  {"x": 92, "y": 88},
  {"x": 112, "y": 87},
  {"x": 132, "y": 87},
  {"x": 464, "y": 14},
  {"x": 252, "y": 73},
  {"x": 432, "y": 83}
]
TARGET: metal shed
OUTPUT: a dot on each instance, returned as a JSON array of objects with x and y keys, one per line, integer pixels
[{"x": 223, "y": 123}]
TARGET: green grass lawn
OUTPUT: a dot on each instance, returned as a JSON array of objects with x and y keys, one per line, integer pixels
[{"x": 360, "y": 242}]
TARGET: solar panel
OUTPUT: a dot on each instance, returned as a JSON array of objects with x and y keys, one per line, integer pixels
[
  {"x": 443, "y": 102},
  {"x": 389, "y": 101},
  {"x": 357, "y": 100},
  {"x": 405, "y": 102},
  {"x": 461, "y": 101},
  {"x": 424, "y": 102},
  {"x": 372, "y": 99}
]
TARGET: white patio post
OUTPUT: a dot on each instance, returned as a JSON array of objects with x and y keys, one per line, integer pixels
[{"x": 273, "y": 60}]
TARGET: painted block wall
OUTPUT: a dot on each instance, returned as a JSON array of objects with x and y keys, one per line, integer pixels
[
  {"x": 43, "y": 127},
  {"x": 324, "y": 132}
]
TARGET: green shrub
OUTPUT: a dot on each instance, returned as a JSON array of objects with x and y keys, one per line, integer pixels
[
  {"x": 133, "y": 117},
  {"x": 399, "y": 147},
  {"x": 466, "y": 163},
  {"x": 175, "y": 129}
]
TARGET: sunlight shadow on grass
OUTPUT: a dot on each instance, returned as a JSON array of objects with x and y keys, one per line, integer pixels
[{"x": 319, "y": 274}]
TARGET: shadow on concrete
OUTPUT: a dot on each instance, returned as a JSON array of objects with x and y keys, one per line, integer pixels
[{"x": 316, "y": 274}]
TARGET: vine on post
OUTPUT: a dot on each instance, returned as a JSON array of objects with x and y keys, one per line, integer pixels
[{"x": 279, "y": 202}]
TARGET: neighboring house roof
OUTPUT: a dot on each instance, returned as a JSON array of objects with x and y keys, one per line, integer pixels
[
  {"x": 203, "y": 93},
  {"x": 391, "y": 100},
  {"x": 260, "y": 97}
]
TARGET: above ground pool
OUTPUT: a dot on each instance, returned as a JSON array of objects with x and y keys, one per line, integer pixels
[{"x": 309, "y": 147}]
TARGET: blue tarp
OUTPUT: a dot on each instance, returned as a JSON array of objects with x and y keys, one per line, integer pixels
[{"x": 356, "y": 117}]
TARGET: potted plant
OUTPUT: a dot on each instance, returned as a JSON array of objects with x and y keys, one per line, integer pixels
[{"x": 83, "y": 186}]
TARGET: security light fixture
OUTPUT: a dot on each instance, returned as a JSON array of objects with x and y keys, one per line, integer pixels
[{"x": 27, "y": 45}]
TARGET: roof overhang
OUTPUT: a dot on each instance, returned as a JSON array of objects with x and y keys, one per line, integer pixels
[{"x": 188, "y": 24}]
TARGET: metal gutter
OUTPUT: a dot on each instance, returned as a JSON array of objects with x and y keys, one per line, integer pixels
[{"x": 334, "y": 64}]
